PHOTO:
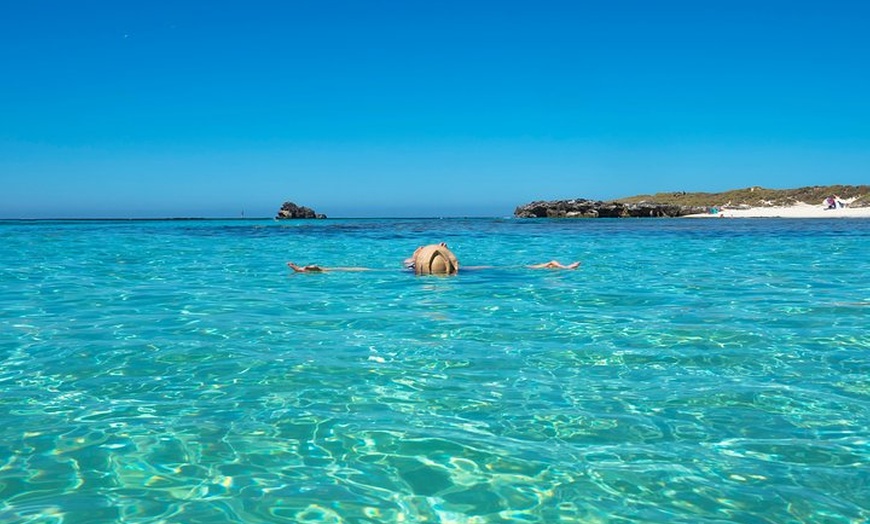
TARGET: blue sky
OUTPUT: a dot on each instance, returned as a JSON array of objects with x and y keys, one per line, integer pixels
[{"x": 158, "y": 109}]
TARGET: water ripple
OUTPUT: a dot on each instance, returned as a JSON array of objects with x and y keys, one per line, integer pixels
[{"x": 688, "y": 372}]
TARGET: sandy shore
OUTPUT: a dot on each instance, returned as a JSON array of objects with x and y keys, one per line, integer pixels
[{"x": 796, "y": 211}]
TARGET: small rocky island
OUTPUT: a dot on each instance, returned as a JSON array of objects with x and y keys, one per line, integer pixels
[{"x": 289, "y": 210}]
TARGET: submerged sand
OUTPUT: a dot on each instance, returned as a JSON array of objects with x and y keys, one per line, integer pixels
[{"x": 795, "y": 211}]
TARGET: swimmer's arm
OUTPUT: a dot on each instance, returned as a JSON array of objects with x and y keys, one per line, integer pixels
[
  {"x": 314, "y": 268},
  {"x": 553, "y": 264}
]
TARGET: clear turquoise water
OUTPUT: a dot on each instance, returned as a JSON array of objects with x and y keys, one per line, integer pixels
[{"x": 690, "y": 371}]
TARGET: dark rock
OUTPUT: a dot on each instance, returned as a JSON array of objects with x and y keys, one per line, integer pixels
[
  {"x": 582, "y": 208},
  {"x": 291, "y": 210}
]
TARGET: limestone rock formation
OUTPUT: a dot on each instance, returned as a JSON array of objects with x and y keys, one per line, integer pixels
[
  {"x": 291, "y": 210},
  {"x": 582, "y": 208}
]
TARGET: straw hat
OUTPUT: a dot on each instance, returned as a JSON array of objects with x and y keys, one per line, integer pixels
[{"x": 435, "y": 259}]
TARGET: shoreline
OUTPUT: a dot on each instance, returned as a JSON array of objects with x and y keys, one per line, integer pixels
[{"x": 795, "y": 211}]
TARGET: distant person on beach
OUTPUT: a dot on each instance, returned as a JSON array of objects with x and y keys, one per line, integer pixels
[
  {"x": 833, "y": 202},
  {"x": 432, "y": 259}
]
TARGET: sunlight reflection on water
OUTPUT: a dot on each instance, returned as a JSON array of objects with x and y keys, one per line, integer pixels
[{"x": 689, "y": 371}]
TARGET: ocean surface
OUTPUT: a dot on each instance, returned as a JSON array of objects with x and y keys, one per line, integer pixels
[{"x": 689, "y": 371}]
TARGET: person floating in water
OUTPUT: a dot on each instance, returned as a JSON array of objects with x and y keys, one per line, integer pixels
[{"x": 432, "y": 259}]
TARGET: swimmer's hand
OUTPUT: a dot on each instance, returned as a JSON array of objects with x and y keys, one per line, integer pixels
[
  {"x": 305, "y": 269},
  {"x": 555, "y": 264}
]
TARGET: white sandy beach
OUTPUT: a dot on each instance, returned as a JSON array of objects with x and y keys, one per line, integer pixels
[{"x": 795, "y": 211}]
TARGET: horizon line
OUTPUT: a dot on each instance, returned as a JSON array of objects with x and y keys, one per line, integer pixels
[{"x": 194, "y": 218}]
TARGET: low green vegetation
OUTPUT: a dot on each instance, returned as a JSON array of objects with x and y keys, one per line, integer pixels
[{"x": 758, "y": 197}]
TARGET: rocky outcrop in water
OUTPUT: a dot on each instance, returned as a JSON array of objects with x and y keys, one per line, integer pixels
[
  {"x": 290, "y": 210},
  {"x": 582, "y": 208}
]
